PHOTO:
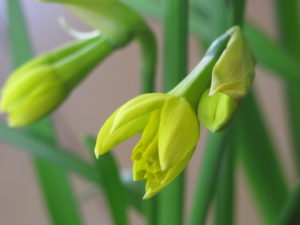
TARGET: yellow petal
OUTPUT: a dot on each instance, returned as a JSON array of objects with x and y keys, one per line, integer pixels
[
  {"x": 37, "y": 104},
  {"x": 17, "y": 89},
  {"x": 178, "y": 131},
  {"x": 107, "y": 140},
  {"x": 137, "y": 107},
  {"x": 234, "y": 71},
  {"x": 215, "y": 112},
  {"x": 146, "y": 150},
  {"x": 155, "y": 186}
]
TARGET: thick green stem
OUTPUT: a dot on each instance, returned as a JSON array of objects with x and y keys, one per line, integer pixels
[
  {"x": 208, "y": 173},
  {"x": 148, "y": 69},
  {"x": 225, "y": 189},
  {"x": 171, "y": 201},
  {"x": 224, "y": 211},
  {"x": 238, "y": 12},
  {"x": 149, "y": 58},
  {"x": 289, "y": 27}
]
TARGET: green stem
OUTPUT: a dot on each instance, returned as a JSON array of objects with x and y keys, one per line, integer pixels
[
  {"x": 289, "y": 214},
  {"x": 171, "y": 200},
  {"x": 149, "y": 58},
  {"x": 224, "y": 213},
  {"x": 238, "y": 12},
  {"x": 289, "y": 27},
  {"x": 208, "y": 173},
  {"x": 225, "y": 189}
]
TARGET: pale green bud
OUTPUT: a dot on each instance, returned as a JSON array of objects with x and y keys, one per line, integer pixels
[
  {"x": 234, "y": 71},
  {"x": 40, "y": 85},
  {"x": 215, "y": 112}
]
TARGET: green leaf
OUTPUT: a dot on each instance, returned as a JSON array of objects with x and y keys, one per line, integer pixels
[
  {"x": 44, "y": 150},
  {"x": 115, "y": 193},
  {"x": 54, "y": 182},
  {"x": 270, "y": 55}
]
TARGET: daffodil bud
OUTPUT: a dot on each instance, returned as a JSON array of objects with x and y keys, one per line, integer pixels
[
  {"x": 168, "y": 122},
  {"x": 162, "y": 152},
  {"x": 234, "y": 71},
  {"x": 215, "y": 112},
  {"x": 40, "y": 85},
  {"x": 115, "y": 20}
]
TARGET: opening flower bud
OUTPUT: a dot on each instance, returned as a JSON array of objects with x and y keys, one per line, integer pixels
[{"x": 215, "y": 112}]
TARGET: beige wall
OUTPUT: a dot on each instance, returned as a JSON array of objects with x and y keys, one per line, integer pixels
[{"x": 114, "y": 82}]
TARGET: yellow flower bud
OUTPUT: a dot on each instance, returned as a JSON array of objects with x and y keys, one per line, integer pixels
[
  {"x": 215, "y": 112},
  {"x": 162, "y": 152},
  {"x": 40, "y": 85}
]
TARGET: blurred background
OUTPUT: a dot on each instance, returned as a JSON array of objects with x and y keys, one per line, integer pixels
[{"x": 115, "y": 81}]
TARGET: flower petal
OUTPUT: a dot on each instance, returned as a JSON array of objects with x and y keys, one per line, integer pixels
[
  {"x": 141, "y": 105},
  {"x": 107, "y": 140},
  {"x": 178, "y": 131},
  {"x": 155, "y": 186}
]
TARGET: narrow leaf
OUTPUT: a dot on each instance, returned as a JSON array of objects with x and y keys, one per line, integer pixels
[
  {"x": 113, "y": 188},
  {"x": 260, "y": 161}
]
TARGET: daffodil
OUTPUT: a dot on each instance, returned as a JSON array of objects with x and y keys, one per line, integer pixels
[
  {"x": 40, "y": 85},
  {"x": 168, "y": 122},
  {"x": 170, "y": 134}
]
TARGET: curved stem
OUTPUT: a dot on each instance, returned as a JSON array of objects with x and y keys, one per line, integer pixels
[
  {"x": 148, "y": 45},
  {"x": 149, "y": 60}
]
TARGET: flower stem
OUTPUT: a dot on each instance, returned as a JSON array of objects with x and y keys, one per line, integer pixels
[
  {"x": 148, "y": 69},
  {"x": 224, "y": 211},
  {"x": 289, "y": 28},
  {"x": 171, "y": 201},
  {"x": 208, "y": 173},
  {"x": 149, "y": 58}
]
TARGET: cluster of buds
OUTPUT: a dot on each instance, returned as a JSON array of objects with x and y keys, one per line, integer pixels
[{"x": 170, "y": 123}]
